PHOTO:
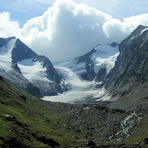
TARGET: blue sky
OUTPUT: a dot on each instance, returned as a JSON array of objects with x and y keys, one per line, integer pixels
[
  {"x": 64, "y": 29},
  {"x": 23, "y": 10}
]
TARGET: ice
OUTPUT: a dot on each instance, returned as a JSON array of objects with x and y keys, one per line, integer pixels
[
  {"x": 104, "y": 57},
  {"x": 72, "y": 96},
  {"x": 81, "y": 90},
  {"x": 33, "y": 70},
  {"x": 71, "y": 65}
]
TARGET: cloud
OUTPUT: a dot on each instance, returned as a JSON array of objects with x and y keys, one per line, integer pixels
[
  {"x": 7, "y": 26},
  {"x": 67, "y": 30}
]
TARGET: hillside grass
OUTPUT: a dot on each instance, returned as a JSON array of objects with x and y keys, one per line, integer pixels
[
  {"x": 28, "y": 122},
  {"x": 25, "y": 122}
]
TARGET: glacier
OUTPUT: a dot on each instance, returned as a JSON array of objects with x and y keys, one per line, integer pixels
[{"x": 81, "y": 90}]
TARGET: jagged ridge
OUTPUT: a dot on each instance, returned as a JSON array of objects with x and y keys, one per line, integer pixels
[{"x": 19, "y": 55}]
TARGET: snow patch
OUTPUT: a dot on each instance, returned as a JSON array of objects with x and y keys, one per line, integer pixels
[
  {"x": 5, "y": 55},
  {"x": 33, "y": 70},
  {"x": 143, "y": 31},
  {"x": 104, "y": 57},
  {"x": 72, "y": 78}
]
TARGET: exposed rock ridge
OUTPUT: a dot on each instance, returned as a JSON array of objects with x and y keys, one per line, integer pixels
[{"x": 131, "y": 67}]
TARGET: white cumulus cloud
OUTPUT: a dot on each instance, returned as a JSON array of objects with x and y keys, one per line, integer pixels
[
  {"x": 7, "y": 26},
  {"x": 67, "y": 30}
]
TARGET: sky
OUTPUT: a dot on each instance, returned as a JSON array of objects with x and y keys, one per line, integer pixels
[{"x": 65, "y": 29}]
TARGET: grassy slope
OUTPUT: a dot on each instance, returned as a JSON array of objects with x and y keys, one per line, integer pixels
[{"x": 26, "y": 122}]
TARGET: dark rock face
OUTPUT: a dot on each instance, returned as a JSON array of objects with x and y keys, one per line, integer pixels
[
  {"x": 21, "y": 52},
  {"x": 90, "y": 74},
  {"x": 50, "y": 142},
  {"x": 131, "y": 67},
  {"x": 101, "y": 75}
]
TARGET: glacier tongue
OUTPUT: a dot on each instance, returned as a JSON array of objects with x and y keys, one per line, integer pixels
[{"x": 81, "y": 90}]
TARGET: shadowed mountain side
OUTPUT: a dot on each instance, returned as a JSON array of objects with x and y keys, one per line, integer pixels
[{"x": 128, "y": 80}]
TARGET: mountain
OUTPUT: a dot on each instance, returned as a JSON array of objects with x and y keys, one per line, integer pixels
[
  {"x": 94, "y": 65},
  {"x": 121, "y": 70},
  {"x": 98, "y": 62},
  {"x": 28, "y": 71},
  {"x": 82, "y": 74},
  {"x": 114, "y": 73},
  {"x": 128, "y": 80}
]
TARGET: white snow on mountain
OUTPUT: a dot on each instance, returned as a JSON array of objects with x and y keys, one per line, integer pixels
[
  {"x": 5, "y": 55},
  {"x": 80, "y": 89},
  {"x": 33, "y": 70},
  {"x": 143, "y": 31},
  {"x": 105, "y": 56},
  {"x": 29, "y": 69}
]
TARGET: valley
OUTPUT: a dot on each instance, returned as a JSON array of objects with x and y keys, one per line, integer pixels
[
  {"x": 97, "y": 100},
  {"x": 83, "y": 89}
]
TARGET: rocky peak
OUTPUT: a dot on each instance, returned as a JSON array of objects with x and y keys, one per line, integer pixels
[
  {"x": 133, "y": 38},
  {"x": 114, "y": 44},
  {"x": 21, "y": 52},
  {"x": 19, "y": 60},
  {"x": 131, "y": 67}
]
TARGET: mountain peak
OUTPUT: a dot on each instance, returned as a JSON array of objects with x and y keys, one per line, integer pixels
[
  {"x": 137, "y": 37},
  {"x": 21, "y": 66},
  {"x": 21, "y": 52},
  {"x": 130, "y": 71}
]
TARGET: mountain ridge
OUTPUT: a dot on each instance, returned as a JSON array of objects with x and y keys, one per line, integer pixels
[
  {"x": 129, "y": 74},
  {"x": 15, "y": 57},
  {"x": 27, "y": 121}
]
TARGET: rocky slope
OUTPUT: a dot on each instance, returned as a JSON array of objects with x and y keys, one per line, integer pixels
[
  {"x": 128, "y": 80},
  {"x": 28, "y": 71},
  {"x": 28, "y": 122}
]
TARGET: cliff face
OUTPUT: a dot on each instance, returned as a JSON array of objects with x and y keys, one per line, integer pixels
[{"x": 131, "y": 68}]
